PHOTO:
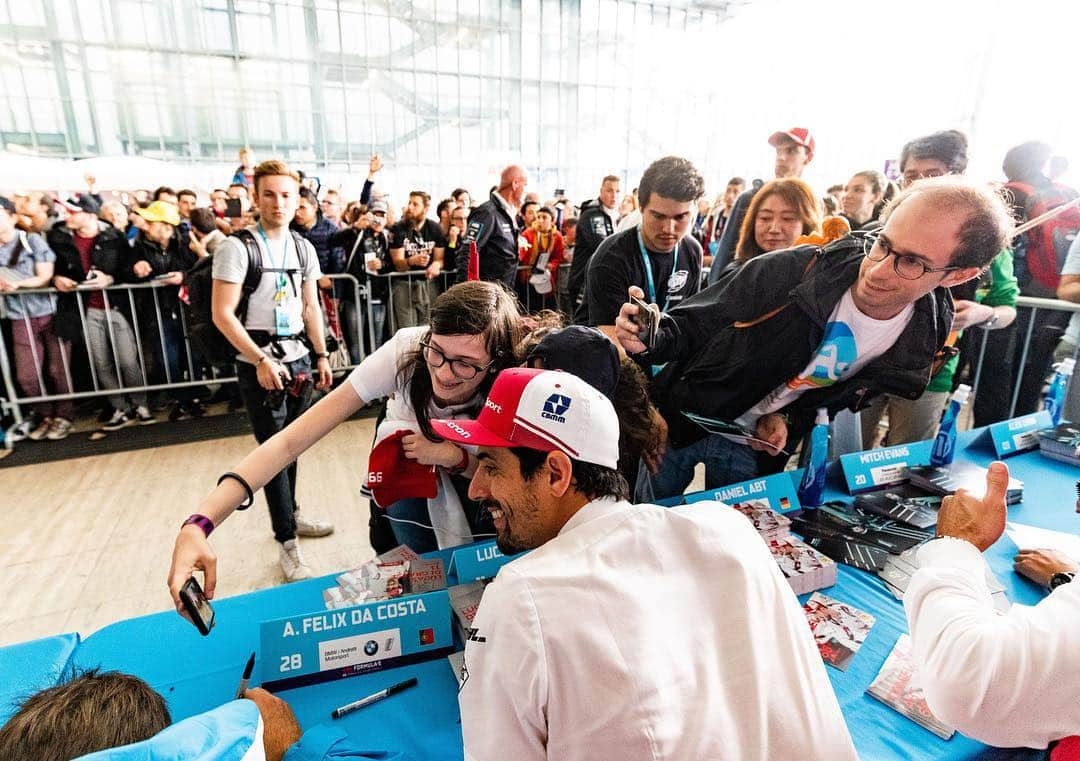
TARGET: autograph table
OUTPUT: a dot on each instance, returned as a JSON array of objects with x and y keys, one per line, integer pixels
[{"x": 197, "y": 673}]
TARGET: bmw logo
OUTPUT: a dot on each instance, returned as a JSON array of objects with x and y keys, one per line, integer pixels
[{"x": 371, "y": 647}]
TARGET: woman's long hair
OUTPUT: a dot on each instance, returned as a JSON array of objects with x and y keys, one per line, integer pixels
[
  {"x": 468, "y": 309},
  {"x": 798, "y": 196}
]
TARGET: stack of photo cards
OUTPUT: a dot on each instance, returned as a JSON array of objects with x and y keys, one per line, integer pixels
[
  {"x": 839, "y": 629},
  {"x": 465, "y": 601},
  {"x": 392, "y": 574},
  {"x": 1061, "y": 443},
  {"x": 839, "y": 520},
  {"x": 805, "y": 568},
  {"x": 854, "y": 554},
  {"x": 947, "y": 479},
  {"x": 900, "y": 568},
  {"x": 897, "y": 686},
  {"x": 767, "y": 522},
  {"x": 904, "y": 503}
]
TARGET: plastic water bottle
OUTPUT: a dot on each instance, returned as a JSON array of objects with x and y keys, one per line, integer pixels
[
  {"x": 812, "y": 487},
  {"x": 1055, "y": 397},
  {"x": 945, "y": 442}
]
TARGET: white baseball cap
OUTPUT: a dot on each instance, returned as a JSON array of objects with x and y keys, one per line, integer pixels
[{"x": 546, "y": 410}]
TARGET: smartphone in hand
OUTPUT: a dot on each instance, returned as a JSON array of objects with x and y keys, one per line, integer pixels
[
  {"x": 197, "y": 606},
  {"x": 648, "y": 319}
]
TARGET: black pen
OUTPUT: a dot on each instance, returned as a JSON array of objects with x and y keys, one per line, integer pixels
[
  {"x": 247, "y": 675},
  {"x": 393, "y": 689}
]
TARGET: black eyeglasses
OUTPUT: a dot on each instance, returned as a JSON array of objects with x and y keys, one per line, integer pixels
[
  {"x": 877, "y": 249},
  {"x": 460, "y": 368}
]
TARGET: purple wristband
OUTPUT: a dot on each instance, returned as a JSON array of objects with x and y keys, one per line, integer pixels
[{"x": 201, "y": 521}]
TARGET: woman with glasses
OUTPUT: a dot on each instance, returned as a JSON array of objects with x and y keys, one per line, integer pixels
[{"x": 441, "y": 371}]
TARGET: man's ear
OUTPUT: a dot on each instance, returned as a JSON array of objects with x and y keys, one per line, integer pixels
[
  {"x": 961, "y": 276},
  {"x": 560, "y": 473}
]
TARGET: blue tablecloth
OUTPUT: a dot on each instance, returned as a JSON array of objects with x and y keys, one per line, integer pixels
[
  {"x": 196, "y": 673},
  {"x": 878, "y": 731}
]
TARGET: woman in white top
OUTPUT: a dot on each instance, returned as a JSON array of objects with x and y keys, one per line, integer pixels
[{"x": 441, "y": 371}]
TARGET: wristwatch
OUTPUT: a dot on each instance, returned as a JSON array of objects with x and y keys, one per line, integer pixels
[
  {"x": 1062, "y": 577},
  {"x": 323, "y": 355},
  {"x": 989, "y": 323}
]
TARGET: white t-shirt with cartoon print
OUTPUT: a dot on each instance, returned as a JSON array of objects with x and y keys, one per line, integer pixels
[{"x": 850, "y": 342}]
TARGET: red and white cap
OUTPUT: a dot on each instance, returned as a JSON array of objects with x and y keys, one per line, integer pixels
[
  {"x": 798, "y": 135},
  {"x": 546, "y": 410}
]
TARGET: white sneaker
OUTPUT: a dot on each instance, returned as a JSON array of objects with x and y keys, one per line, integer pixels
[
  {"x": 292, "y": 562},
  {"x": 118, "y": 420},
  {"x": 42, "y": 429},
  {"x": 59, "y": 429},
  {"x": 306, "y": 526},
  {"x": 144, "y": 416},
  {"x": 21, "y": 431}
]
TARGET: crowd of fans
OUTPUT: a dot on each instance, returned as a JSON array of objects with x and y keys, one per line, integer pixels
[
  {"x": 80, "y": 336},
  {"x": 707, "y": 333}
]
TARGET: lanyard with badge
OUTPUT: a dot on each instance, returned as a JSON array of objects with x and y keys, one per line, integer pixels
[
  {"x": 282, "y": 321},
  {"x": 648, "y": 270},
  {"x": 652, "y": 285}
]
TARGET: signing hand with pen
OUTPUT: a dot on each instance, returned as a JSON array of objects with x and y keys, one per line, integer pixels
[{"x": 280, "y": 728}]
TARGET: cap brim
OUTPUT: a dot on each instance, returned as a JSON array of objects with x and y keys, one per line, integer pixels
[{"x": 470, "y": 432}]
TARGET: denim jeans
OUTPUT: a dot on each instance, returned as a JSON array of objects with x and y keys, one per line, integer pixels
[
  {"x": 112, "y": 350},
  {"x": 280, "y": 490},
  {"x": 725, "y": 463},
  {"x": 421, "y": 539}
]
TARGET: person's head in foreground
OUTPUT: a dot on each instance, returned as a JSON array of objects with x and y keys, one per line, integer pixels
[
  {"x": 549, "y": 444},
  {"x": 939, "y": 232},
  {"x": 91, "y": 711}
]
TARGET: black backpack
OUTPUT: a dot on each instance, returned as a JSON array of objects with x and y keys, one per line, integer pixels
[{"x": 199, "y": 284}]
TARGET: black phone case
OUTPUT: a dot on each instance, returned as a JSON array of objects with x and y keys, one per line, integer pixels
[{"x": 192, "y": 609}]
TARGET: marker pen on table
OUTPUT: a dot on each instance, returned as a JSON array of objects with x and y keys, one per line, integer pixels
[
  {"x": 393, "y": 689},
  {"x": 246, "y": 677}
]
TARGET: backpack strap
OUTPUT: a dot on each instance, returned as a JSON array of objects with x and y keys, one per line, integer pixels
[
  {"x": 253, "y": 275},
  {"x": 769, "y": 315}
]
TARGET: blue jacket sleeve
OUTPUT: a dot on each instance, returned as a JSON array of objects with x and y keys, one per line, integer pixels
[{"x": 326, "y": 742}]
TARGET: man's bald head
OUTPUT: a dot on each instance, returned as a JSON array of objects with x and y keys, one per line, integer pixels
[{"x": 512, "y": 184}]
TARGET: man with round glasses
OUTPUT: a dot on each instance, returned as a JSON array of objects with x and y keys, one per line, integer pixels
[
  {"x": 987, "y": 303},
  {"x": 812, "y": 327}
]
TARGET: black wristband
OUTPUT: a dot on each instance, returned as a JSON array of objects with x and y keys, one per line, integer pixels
[{"x": 247, "y": 488}]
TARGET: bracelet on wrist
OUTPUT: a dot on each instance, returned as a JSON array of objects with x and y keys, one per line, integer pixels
[
  {"x": 247, "y": 488},
  {"x": 201, "y": 521},
  {"x": 262, "y": 358}
]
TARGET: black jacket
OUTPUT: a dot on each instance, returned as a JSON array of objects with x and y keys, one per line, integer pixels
[
  {"x": 736, "y": 341},
  {"x": 175, "y": 257},
  {"x": 495, "y": 233},
  {"x": 593, "y": 226},
  {"x": 111, "y": 255}
]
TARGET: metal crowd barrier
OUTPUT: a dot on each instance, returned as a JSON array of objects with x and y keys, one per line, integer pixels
[
  {"x": 1034, "y": 305},
  {"x": 150, "y": 338}
]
